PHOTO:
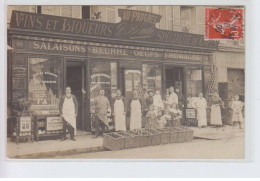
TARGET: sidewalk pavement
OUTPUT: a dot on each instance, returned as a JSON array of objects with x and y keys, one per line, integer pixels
[
  {"x": 86, "y": 143},
  {"x": 51, "y": 148}
]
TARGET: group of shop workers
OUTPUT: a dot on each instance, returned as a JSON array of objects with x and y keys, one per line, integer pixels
[{"x": 158, "y": 113}]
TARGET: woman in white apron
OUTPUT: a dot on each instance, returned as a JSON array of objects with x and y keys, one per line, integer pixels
[
  {"x": 201, "y": 105},
  {"x": 215, "y": 117},
  {"x": 119, "y": 112},
  {"x": 69, "y": 109},
  {"x": 135, "y": 113}
]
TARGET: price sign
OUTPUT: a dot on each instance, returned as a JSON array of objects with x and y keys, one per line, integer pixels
[
  {"x": 190, "y": 113},
  {"x": 25, "y": 124},
  {"x": 54, "y": 123}
]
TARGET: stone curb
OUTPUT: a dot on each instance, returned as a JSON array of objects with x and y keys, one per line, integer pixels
[{"x": 51, "y": 154}]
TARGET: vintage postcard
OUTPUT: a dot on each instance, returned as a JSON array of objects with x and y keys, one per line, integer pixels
[{"x": 125, "y": 82}]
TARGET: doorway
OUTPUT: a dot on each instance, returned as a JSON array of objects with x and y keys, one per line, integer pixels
[
  {"x": 75, "y": 78},
  {"x": 175, "y": 77}
]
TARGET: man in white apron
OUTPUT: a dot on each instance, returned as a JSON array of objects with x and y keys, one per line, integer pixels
[
  {"x": 135, "y": 112},
  {"x": 119, "y": 112},
  {"x": 201, "y": 106},
  {"x": 68, "y": 110}
]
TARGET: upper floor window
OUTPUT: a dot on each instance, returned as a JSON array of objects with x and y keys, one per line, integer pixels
[
  {"x": 169, "y": 18},
  {"x": 186, "y": 18},
  {"x": 85, "y": 12},
  {"x": 111, "y": 14}
]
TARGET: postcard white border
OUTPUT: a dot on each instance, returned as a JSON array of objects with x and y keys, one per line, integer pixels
[{"x": 151, "y": 168}]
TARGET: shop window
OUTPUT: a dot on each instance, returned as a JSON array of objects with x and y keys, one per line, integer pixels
[
  {"x": 45, "y": 82},
  {"x": 103, "y": 76},
  {"x": 194, "y": 81},
  {"x": 151, "y": 77}
]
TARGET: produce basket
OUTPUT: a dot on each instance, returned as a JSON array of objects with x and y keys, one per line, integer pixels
[
  {"x": 156, "y": 137},
  {"x": 174, "y": 135},
  {"x": 138, "y": 138},
  {"x": 113, "y": 141},
  {"x": 165, "y": 135},
  {"x": 129, "y": 139}
]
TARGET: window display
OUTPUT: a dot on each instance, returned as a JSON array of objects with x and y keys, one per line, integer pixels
[
  {"x": 45, "y": 85},
  {"x": 151, "y": 77}
]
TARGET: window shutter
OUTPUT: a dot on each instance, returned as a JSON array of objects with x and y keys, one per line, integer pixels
[
  {"x": 66, "y": 11},
  {"x": 23, "y": 8},
  {"x": 76, "y": 12},
  {"x": 142, "y": 8},
  {"x": 48, "y": 10},
  {"x": 111, "y": 15}
]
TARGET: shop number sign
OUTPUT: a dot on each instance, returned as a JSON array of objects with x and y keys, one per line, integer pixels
[
  {"x": 190, "y": 113},
  {"x": 54, "y": 123},
  {"x": 25, "y": 124}
]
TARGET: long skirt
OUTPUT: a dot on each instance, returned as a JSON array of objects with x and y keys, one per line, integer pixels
[{"x": 215, "y": 117}]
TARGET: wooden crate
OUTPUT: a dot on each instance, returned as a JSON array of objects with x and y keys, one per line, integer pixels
[
  {"x": 181, "y": 135},
  {"x": 129, "y": 139},
  {"x": 165, "y": 135},
  {"x": 138, "y": 139},
  {"x": 113, "y": 141},
  {"x": 173, "y": 135},
  {"x": 189, "y": 135},
  {"x": 156, "y": 137}
]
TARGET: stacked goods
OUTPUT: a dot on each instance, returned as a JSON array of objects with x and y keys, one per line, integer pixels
[
  {"x": 113, "y": 141},
  {"x": 146, "y": 137},
  {"x": 129, "y": 139}
]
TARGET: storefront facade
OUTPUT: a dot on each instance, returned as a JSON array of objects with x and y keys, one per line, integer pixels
[{"x": 50, "y": 53}]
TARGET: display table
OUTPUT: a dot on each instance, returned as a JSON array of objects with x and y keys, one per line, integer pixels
[{"x": 47, "y": 121}]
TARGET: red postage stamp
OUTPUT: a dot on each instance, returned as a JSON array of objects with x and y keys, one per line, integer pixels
[{"x": 224, "y": 23}]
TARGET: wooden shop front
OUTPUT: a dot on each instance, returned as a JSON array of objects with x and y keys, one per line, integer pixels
[{"x": 50, "y": 53}]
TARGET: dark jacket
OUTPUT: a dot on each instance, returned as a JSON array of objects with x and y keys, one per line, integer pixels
[{"x": 74, "y": 100}]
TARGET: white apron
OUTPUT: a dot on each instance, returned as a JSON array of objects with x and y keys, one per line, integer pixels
[
  {"x": 68, "y": 112},
  {"x": 136, "y": 115},
  {"x": 201, "y": 105},
  {"x": 215, "y": 116},
  {"x": 119, "y": 115}
]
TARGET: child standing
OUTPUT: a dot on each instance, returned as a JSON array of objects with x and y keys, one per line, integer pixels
[
  {"x": 237, "y": 107},
  {"x": 150, "y": 118}
]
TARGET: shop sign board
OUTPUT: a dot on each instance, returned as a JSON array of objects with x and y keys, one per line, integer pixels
[
  {"x": 25, "y": 124},
  {"x": 54, "y": 124},
  {"x": 135, "y": 26},
  {"x": 191, "y": 113}
]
